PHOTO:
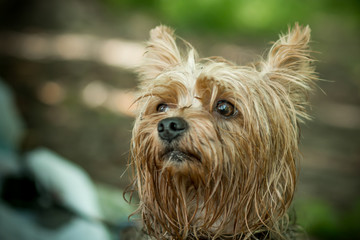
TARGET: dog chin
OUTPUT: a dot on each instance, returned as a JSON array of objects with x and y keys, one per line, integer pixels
[
  {"x": 176, "y": 156},
  {"x": 180, "y": 156}
]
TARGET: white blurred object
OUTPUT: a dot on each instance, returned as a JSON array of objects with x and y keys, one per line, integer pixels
[
  {"x": 65, "y": 180},
  {"x": 72, "y": 187},
  {"x": 70, "y": 184},
  {"x": 15, "y": 225}
]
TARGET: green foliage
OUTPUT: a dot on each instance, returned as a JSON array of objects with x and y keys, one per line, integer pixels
[
  {"x": 250, "y": 16},
  {"x": 320, "y": 219},
  {"x": 317, "y": 218},
  {"x": 230, "y": 15},
  {"x": 350, "y": 224}
]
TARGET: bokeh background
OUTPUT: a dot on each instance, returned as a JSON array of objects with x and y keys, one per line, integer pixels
[{"x": 69, "y": 64}]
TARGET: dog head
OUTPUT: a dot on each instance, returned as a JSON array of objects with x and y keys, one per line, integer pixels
[{"x": 215, "y": 144}]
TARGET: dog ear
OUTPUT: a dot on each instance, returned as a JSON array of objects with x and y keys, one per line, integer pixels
[
  {"x": 289, "y": 64},
  {"x": 162, "y": 53}
]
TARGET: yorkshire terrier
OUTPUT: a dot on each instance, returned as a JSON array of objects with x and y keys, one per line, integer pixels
[{"x": 215, "y": 145}]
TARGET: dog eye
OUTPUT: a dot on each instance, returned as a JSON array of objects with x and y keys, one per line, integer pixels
[
  {"x": 225, "y": 108},
  {"x": 162, "y": 107}
]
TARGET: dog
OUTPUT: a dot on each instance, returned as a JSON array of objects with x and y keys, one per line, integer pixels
[{"x": 215, "y": 145}]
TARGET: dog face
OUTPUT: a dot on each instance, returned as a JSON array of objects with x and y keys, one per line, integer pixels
[{"x": 215, "y": 144}]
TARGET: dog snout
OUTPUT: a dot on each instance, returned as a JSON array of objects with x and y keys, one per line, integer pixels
[{"x": 171, "y": 128}]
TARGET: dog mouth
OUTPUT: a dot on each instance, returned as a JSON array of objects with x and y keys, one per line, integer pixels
[{"x": 178, "y": 156}]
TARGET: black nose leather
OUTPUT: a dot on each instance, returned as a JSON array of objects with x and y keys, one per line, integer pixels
[{"x": 171, "y": 128}]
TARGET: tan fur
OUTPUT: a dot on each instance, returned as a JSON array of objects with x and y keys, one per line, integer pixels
[{"x": 240, "y": 175}]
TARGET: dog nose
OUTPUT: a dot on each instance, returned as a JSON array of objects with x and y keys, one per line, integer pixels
[{"x": 171, "y": 128}]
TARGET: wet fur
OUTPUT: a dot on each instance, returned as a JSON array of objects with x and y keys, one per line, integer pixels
[{"x": 239, "y": 175}]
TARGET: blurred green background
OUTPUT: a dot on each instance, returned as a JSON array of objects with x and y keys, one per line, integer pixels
[{"x": 70, "y": 65}]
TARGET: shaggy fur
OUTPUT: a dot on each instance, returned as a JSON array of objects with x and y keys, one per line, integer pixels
[{"x": 226, "y": 177}]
